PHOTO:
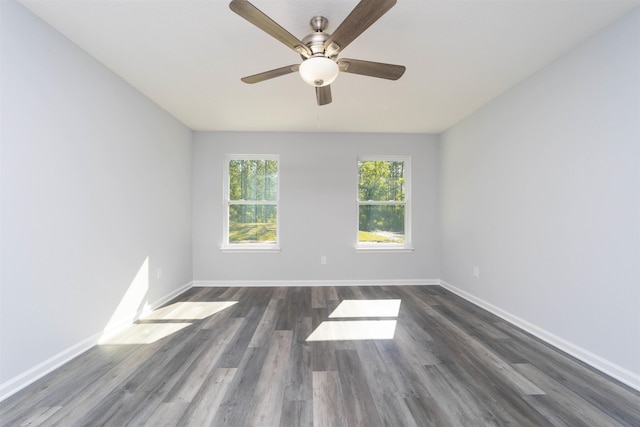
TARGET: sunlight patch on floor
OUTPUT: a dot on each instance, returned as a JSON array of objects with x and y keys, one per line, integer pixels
[
  {"x": 166, "y": 321},
  {"x": 146, "y": 333},
  {"x": 362, "y": 329},
  {"x": 349, "y": 330},
  {"x": 188, "y": 310},
  {"x": 367, "y": 308}
]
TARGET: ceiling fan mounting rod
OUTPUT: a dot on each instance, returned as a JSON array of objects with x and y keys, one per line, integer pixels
[{"x": 319, "y": 23}]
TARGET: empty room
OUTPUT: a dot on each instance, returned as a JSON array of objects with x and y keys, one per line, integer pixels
[{"x": 320, "y": 213}]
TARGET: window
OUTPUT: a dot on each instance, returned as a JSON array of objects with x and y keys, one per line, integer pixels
[
  {"x": 251, "y": 199},
  {"x": 383, "y": 203}
]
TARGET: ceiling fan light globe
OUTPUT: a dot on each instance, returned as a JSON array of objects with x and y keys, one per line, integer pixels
[{"x": 319, "y": 71}]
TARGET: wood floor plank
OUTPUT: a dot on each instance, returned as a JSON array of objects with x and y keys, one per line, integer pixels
[
  {"x": 280, "y": 293},
  {"x": 269, "y": 390},
  {"x": 267, "y": 324},
  {"x": 297, "y": 413},
  {"x": 299, "y": 379},
  {"x": 220, "y": 318},
  {"x": 387, "y": 394},
  {"x": 77, "y": 376},
  {"x": 297, "y": 303},
  {"x": 609, "y": 396},
  {"x": 328, "y": 407},
  {"x": 240, "y": 395},
  {"x": 167, "y": 414},
  {"x": 404, "y": 373},
  {"x": 190, "y": 383},
  {"x": 415, "y": 343},
  {"x": 421, "y": 410},
  {"x": 330, "y": 294},
  {"x": 461, "y": 342},
  {"x": 360, "y": 409},
  {"x": 453, "y": 403},
  {"x": 136, "y": 398},
  {"x": 206, "y": 403},
  {"x": 472, "y": 323},
  {"x": 235, "y": 350},
  {"x": 240, "y": 357},
  {"x": 78, "y": 404},
  {"x": 37, "y": 416},
  {"x": 492, "y": 381},
  {"x": 318, "y": 298},
  {"x": 561, "y": 406},
  {"x": 323, "y": 356},
  {"x": 505, "y": 350},
  {"x": 490, "y": 391}
]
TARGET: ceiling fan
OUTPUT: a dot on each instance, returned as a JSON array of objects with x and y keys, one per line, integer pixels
[{"x": 319, "y": 50}]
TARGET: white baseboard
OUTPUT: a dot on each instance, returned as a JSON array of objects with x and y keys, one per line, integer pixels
[
  {"x": 30, "y": 376},
  {"x": 171, "y": 295},
  {"x": 607, "y": 367},
  {"x": 291, "y": 283}
]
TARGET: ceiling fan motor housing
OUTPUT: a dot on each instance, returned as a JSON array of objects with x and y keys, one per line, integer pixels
[{"x": 315, "y": 41}]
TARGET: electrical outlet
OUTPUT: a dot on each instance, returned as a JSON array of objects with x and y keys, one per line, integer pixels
[
  {"x": 159, "y": 273},
  {"x": 476, "y": 272},
  {"x": 323, "y": 260}
]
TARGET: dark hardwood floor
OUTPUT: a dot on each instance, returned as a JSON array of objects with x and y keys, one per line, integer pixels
[{"x": 274, "y": 357}]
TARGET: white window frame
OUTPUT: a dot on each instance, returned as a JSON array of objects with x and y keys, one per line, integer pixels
[
  {"x": 387, "y": 247},
  {"x": 248, "y": 247}
]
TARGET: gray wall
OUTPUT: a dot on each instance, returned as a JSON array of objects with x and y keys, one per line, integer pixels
[
  {"x": 318, "y": 212},
  {"x": 95, "y": 180},
  {"x": 541, "y": 191}
]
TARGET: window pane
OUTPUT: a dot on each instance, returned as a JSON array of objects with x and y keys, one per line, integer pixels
[
  {"x": 252, "y": 223},
  {"x": 381, "y": 224},
  {"x": 380, "y": 180},
  {"x": 253, "y": 180}
]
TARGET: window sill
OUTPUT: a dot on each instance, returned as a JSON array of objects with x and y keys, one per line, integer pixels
[
  {"x": 379, "y": 249},
  {"x": 251, "y": 249}
]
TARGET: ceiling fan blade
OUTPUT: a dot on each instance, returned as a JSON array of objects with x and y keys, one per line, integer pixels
[
  {"x": 372, "y": 69},
  {"x": 323, "y": 95},
  {"x": 260, "y": 77},
  {"x": 268, "y": 25},
  {"x": 361, "y": 17}
]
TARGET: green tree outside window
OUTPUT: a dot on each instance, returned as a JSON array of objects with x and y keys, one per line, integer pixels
[
  {"x": 381, "y": 201},
  {"x": 252, "y": 200}
]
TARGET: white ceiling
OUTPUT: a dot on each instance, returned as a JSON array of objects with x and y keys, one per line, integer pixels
[{"x": 188, "y": 57}]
